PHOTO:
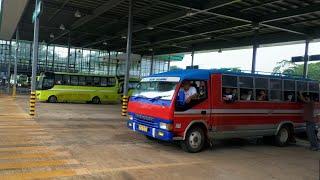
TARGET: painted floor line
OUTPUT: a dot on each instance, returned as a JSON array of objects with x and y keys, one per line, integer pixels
[
  {"x": 34, "y": 164},
  {"x": 34, "y": 155},
  {"x": 45, "y": 174}
]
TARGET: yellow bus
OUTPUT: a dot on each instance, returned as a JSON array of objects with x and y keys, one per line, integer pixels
[{"x": 81, "y": 88}]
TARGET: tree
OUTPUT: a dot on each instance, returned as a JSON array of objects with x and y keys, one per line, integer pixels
[
  {"x": 172, "y": 68},
  {"x": 289, "y": 68}
]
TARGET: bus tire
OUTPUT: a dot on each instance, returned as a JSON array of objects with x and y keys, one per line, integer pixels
[
  {"x": 194, "y": 141},
  {"x": 53, "y": 99},
  {"x": 96, "y": 100},
  {"x": 283, "y": 136}
]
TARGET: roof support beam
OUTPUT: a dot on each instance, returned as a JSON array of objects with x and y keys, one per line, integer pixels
[
  {"x": 170, "y": 17},
  {"x": 97, "y": 12},
  {"x": 207, "y": 11},
  {"x": 291, "y": 13}
]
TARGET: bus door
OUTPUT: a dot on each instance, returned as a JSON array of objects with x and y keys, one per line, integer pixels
[{"x": 198, "y": 109}]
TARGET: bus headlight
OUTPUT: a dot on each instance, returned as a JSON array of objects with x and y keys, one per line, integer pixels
[
  {"x": 130, "y": 117},
  {"x": 165, "y": 126}
]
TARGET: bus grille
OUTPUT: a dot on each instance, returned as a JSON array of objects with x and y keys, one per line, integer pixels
[{"x": 147, "y": 121}]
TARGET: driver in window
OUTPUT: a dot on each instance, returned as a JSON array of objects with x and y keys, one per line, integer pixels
[{"x": 190, "y": 92}]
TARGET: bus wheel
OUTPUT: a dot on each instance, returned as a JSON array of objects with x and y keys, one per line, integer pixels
[
  {"x": 96, "y": 100},
  {"x": 52, "y": 99},
  {"x": 194, "y": 140},
  {"x": 283, "y": 137}
]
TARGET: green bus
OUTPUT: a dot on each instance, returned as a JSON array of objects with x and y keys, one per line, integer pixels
[{"x": 81, "y": 88}]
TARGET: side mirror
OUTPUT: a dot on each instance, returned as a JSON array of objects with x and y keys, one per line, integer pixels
[{"x": 181, "y": 98}]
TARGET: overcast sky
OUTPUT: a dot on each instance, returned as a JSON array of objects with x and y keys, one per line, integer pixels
[{"x": 267, "y": 57}]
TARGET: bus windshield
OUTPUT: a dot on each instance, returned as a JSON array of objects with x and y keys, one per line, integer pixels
[
  {"x": 45, "y": 82},
  {"x": 155, "y": 89}
]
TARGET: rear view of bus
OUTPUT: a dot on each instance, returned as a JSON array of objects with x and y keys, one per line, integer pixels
[{"x": 151, "y": 107}]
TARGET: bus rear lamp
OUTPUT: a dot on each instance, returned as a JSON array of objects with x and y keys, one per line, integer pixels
[{"x": 165, "y": 126}]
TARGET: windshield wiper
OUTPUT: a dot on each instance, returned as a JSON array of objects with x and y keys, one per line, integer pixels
[
  {"x": 158, "y": 97},
  {"x": 139, "y": 96}
]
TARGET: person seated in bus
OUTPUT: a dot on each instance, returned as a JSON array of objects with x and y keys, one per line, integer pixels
[
  {"x": 262, "y": 96},
  {"x": 229, "y": 95},
  {"x": 202, "y": 90},
  {"x": 190, "y": 92},
  {"x": 289, "y": 98},
  {"x": 248, "y": 96}
]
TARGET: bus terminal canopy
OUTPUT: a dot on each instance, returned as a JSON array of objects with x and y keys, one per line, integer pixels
[{"x": 173, "y": 26}]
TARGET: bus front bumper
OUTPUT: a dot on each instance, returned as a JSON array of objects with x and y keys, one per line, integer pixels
[{"x": 150, "y": 131}]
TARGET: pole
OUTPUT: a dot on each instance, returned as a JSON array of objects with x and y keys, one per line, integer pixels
[
  {"x": 306, "y": 59},
  {"x": 53, "y": 57},
  {"x": 14, "y": 89},
  {"x": 9, "y": 68},
  {"x": 128, "y": 61},
  {"x": 109, "y": 62},
  {"x": 255, "y": 48},
  {"x": 152, "y": 63},
  {"x": 192, "y": 58},
  {"x": 140, "y": 69},
  {"x": 68, "y": 62},
  {"x": 46, "y": 64},
  {"x": 34, "y": 64},
  {"x": 169, "y": 64}
]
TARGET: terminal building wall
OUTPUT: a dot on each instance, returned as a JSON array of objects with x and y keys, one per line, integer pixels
[{"x": 88, "y": 61}]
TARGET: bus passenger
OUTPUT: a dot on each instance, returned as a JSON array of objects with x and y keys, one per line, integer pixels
[
  {"x": 247, "y": 97},
  {"x": 190, "y": 92},
  {"x": 202, "y": 90},
  {"x": 228, "y": 95},
  {"x": 310, "y": 119},
  {"x": 262, "y": 96}
]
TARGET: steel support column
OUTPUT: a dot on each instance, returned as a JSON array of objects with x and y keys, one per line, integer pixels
[
  {"x": 46, "y": 64},
  {"x": 14, "y": 88},
  {"x": 129, "y": 43},
  {"x": 169, "y": 64},
  {"x": 9, "y": 68},
  {"x": 34, "y": 64},
  {"x": 128, "y": 61},
  {"x": 306, "y": 60},
  {"x": 254, "y": 51},
  {"x": 152, "y": 63},
  {"x": 68, "y": 61},
  {"x": 192, "y": 59},
  {"x": 109, "y": 62}
]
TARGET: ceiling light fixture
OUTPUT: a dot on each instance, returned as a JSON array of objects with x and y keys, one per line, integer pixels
[
  {"x": 51, "y": 36},
  {"x": 77, "y": 14},
  {"x": 123, "y": 37},
  {"x": 105, "y": 43},
  {"x": 62, "y": 27},
  {"x": 150, "y": 28}
]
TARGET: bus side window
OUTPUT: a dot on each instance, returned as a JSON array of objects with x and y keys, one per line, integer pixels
[
  {"x": 104, "y": 82},
  {"x": 230, "y": 88},
  {"x": 89, "y": 81},
  {"x": 111, "y": 82},
  {"x": 246, "y": 88},
  {"x": 314, "y": 91},
  {"x": 66, "y": 80},
  {"x": 276, "y": 90},
  {"x": 58, "y": 79},
  {"x": 82, "y": 80},
  {"x": 302, "y": 87},
  {"x": 289, "y": 91},
  {"x": 74, "y": 80},
  {"x": 96, "y": 81},
  {"x": 262, "y": 86}
]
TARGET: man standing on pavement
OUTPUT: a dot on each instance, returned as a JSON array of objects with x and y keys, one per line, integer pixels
[{"x": 310, "y": 119}]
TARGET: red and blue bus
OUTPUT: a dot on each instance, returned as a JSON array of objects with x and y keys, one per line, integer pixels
[{"x": 231, "y": 105}]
